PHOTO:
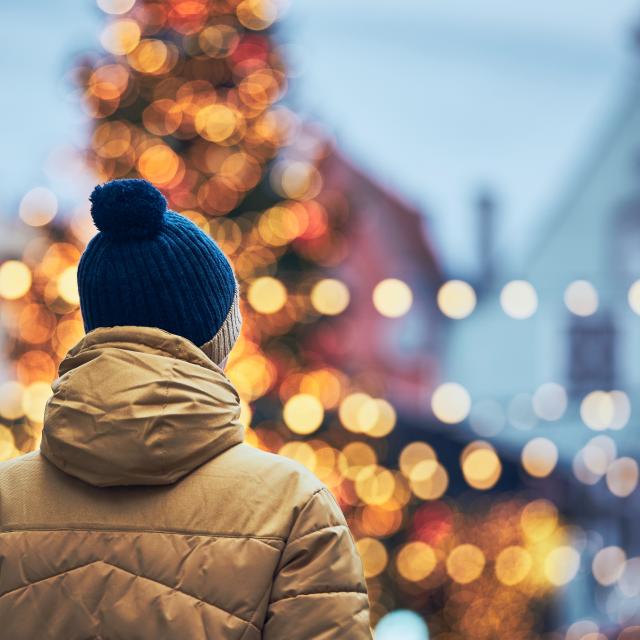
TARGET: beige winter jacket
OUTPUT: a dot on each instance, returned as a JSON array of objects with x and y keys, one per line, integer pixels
[{"x": 145, "y": 517}]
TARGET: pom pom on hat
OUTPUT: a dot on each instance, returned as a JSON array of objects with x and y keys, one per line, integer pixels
[{"x": 129, "y": 208}]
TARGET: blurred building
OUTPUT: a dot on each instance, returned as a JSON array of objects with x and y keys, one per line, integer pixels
[
  {"x": 388, "y": 240},
  {"x": 533, "y": 362}
]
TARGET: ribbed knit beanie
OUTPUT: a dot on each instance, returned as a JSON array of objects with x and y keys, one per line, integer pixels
[{"x": 152, "y": 267}]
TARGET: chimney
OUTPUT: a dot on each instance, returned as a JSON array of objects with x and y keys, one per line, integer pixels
[{"x": 486, "y": 209}]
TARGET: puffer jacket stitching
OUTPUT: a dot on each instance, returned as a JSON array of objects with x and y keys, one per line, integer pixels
[
  {"x": 111, "y": 564},
  {"x": 123, "y": 529},
  {"x": 320, "y": 593},
  {"x": 319, "y": 529},
  {"x": 255, "y": 613}
]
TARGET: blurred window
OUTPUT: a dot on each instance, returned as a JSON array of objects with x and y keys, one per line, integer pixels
[{"x": 591, "y": 354}]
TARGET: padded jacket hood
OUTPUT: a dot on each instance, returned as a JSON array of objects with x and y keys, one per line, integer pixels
[
  {"x": 136, "y": 405},
  {"x": 144, "y": 516}
]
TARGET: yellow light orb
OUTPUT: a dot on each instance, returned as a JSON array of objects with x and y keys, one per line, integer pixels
[
  {"x": 385, "y": 420},
  {"x": 561, "y": 565},
  {"x": 519, "y": 299},
  {"x": 374, "y": 556},
  {"x": 121, "y": 36},
  {"x": 257, "y": 14},
  {"x": 217, "y": 41},
  {"x": 539, "y": 457},
  {"x": 35, "y": 399},
  {"x": 358, "y": 412},
  {"x": 538, "y": 520},
  {"x": 392, "y": 298},
  {"x": 456, "y": 299},
  {"x": 11, "y": 400},
  {"x": 482, "y": 468},
  {"x": 151, "y": 56},
  {"x": 15, "y": 279},
  {"x": 300, "y": 181},
  {"x": 622, "y": 477},
  {"x": 303, "y": 413},
  {"x": 330, "y": 297},
  {"x": 608, "y": 565},
  {"x": 38, "y": 207},
  {"x": 513, "y": 565},
  {"x": 413, "y": 454},
  {"x": 355, "y": 456},
  {"x": 451, "y": 403},
  {"x": 416, "y": 561},
  {"x": 68, "y": 285},
  {"x": 429, "y": 480},
  {"x": 267, "y": 295},
  {"x": 581, "y": 298},
  {"x": 217, "y": 122},
  {"x": 159, "y": 164},
  {"x": 465, "y": 563},
  {"x": 374, "y": 485}
]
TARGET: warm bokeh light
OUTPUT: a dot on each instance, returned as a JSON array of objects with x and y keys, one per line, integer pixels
[
  {"x": 601, "y": 410},
  {"x": 465, "y": 563},
  {"x": 303, "y": 413},
  {"x": 34, "y": 400},
  {"x": 68, "y": 285},
  {"x": 416, "y": 561},
  {"x": 116, "y": 6},
  {"x": 513, "y": 565},
  {"x": 374, "y": 556},
  {"x": 267, "y": 295},
  {"x": 519, "y": 299},
  {"x": 15, "y": 279},
  {"x": 413, "y": 454},
  {"x": 539, "y": 457},
  {"x": 622, "y": 477},
  {"x": 38, "y": 207},
  {"x": 581, "y": 298},
  {"x": 608, "y": 565},
  {"x": 481, "y": 465},
  {"x": 392, "y": 298},
  {"x": 456, "y": 299},
  {"x": 561, "y": 565},
  {"x": 330, "y": 296},
  {"x": 451, "y": 403},
  {"x": 429, "y": 480},
  {"x": 539, "y": 519},
  {"x": 121, "y": 36}
]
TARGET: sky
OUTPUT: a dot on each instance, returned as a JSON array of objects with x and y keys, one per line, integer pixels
[
  {"x": 440, "y": 99},
  {"x": 435, "y": 99}
]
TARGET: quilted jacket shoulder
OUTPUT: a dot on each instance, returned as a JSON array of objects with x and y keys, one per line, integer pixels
[{"x": 224, "y": 553}]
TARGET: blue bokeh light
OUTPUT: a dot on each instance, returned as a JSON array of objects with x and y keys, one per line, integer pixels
[{"x": 403, "y": 624}]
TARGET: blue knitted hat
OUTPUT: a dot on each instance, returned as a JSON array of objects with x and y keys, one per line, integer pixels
[{"x": 152, "y": 267}]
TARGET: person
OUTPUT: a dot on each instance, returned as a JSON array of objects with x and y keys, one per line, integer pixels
[{"x": 144, "y": 515}]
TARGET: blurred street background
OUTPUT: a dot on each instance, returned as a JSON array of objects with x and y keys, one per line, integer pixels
[{"x": 433, "y": 210}]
